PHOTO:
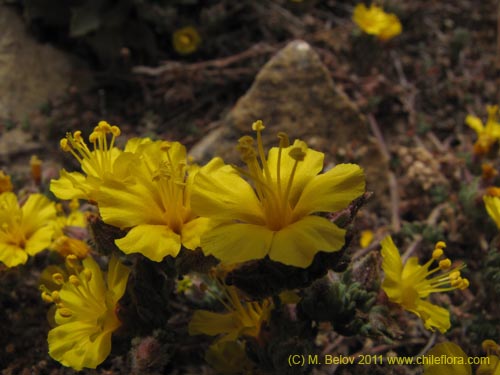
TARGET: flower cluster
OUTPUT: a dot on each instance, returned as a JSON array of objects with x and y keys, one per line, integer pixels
[
  {"x": 375, "y": 21},
  {"x": 409, "y": 285}
]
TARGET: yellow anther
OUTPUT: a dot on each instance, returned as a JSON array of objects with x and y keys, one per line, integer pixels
[
  {"x": 55, "y": 296},
  {"x": 454, "y": 275},
  {"x": 297, "y": 154},
  {"x": 440, "y": 245},
  {"x": 456, "y": 282},
  {"x": 63, "y": 143},
  {"x": 103, "y": 126},
  {"x": 445, "y": 264},
  {"x": 493, "y": 191},
  {"x": 65, "y": 312},
  {"x": 489, "y": 345},
  {"x": 115, "y": 130},
  {"x": 87, "y": 273},
  {"x": 165, "y": 146},
  {"x": 58, "y": 278},
  {"x": 284, "y": 140},
  {"x": 5, "y": 183},
  {"x": 94, "y": 136},
  {"x": 36, "y": 169},
  {"x": 72, "y": 261},
  {"x": 437, "y": 253},
  {"x": 246, "y": 140},
  {"x": 464, "y": 284},
  {"x": 77, "y": 135},
  {"x": 74, "y": 280},
  {"x": 46, "y": 297},
  {"x": 258, "y": 126}
]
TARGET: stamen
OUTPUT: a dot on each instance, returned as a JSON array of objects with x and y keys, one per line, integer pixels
[
  {"x": 74, "y": 280},
  {"x": 58, "y": 278},
  {"x": 65, "y": 312},
  {"x": 46, "y": 297},
  {"x": 437, "y": 253},
  {"x": 440, "y": 245},
  {"x": 445, "y": 264}
]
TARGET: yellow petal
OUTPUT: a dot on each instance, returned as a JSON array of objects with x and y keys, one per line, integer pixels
[
  {"x": 70, "y": 344},
  {"x": 153, "y": 241},
  {"x": 331, "y": 191},
  {"x": 237, "y": 242},
  {"x": 223, "y": 194},
  {"x": 493, "y": 208},
  {"x": 475, "y": 123},
  {"x": 193, "y": 230},
  {"x": 117, "y": 278},
  {"x": 491, "y": 368},
  {"x": 433, "y": 316},
  {"x": 70, "y": 185},
  {"x": 393, "y": 269},
  {"x": 39, "y": 240},
  {"x": 12, "y": 255},
  {"x": 128, "y": 205},
  {"x": 209, "y": 323},
  {"x": 297, "y": 244},
  {"x": 449, "y": 350}
]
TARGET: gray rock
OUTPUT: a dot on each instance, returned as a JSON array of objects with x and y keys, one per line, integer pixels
[{"x": 30, "y": 73}]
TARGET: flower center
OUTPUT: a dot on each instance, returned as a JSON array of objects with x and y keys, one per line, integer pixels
[
  {"x": 273, "y": 188},
  {"x": 96, "y": 162}
]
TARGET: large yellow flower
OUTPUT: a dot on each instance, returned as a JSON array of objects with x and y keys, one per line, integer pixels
[
  {"x": 492, "y": 204},
  {"x": 103, "y": 162},
  {"x": 375, "y": 21},
  {"x": 409, "y": 286},
  {"x": 24, "y": 230},
  {"x": 487, "y": 135},
  {"x": 86, "y": 312},
  {"x": 274, "y": 217},
  {"x": 155, "y": 204}
]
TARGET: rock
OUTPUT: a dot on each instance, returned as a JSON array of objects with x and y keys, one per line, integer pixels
[
  {"x": 294, "y": 93},
  {"x": 30, "y": 73}
]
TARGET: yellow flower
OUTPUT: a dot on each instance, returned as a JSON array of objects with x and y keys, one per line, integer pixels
[
  {"x": 155, "y": 204},
  {"x": 456, "y": 357},
  {"x": 375, "y": 21},
  {"x": 492, "y": 203},
  {"x": 186, "y": 40},
  {"x": 241, "y": 319},
  {"x": 86, "y": 312},
  {"x": 409, "y": 286},
  {"x": 487, "y": 135},
  {"x": 24, "y": 230},
  {"x": 104, "y": 162},
  {"x": 5, "y": 183},
  {"x": 275, "y": 217}
]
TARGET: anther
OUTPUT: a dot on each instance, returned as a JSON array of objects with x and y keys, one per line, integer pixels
[
  {"x": 246, "y": 140},
  {"x": 437, "y": 253},
  {"x": 258, "y": 126},
  {"x": 46, "y": 297},
  {"x": 284, "y": 140},
  {"x": 87, "y": 274},
  {"x": 55, "y": 296},
  {"x": 63, "y": 143},
  {"x": 445, "y": 264},
  {"x": 297, "y": 154},
  {"x": 464, "y": 284},
  {"x": 65, "y": 312},
  {"x": 440, "y": 245},
  {"x": 74, "y": 280},
  {"x": 115, "y": 130},
  {"x": 58, "y": 278}
]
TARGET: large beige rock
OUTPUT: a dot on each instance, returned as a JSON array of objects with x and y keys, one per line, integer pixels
[
  {"x": 30, "y": 73},
  {"x": 294, "y": 93}
]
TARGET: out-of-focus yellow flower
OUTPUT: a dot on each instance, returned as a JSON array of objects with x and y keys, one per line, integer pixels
[
  {"x": 492, "y": 202},
  {"x": 104, "y": 162},
  {"x": 5, "y": 183},
  {"x": 456, "y": 363},
  {"x": 86, "y": 312},
  {"x": 155, "y": 204},
  {"x": 488, "y": 171},
  {"x": 275, "y": 217},
  {"x": 375, "y": 21},
  {"x": 487, "y": 135},
  {"x": 36, "y": 169},
  {"x": 186, "y": 40},
  {"x": 409, "y": 286},
  {"x": 366, "y": 238},
  {"x": 24, "y": 230},
  {"x": 492, "y": 367},
  {"x": 241, "y": 319},
  {"x": 70, "y": 232}
]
